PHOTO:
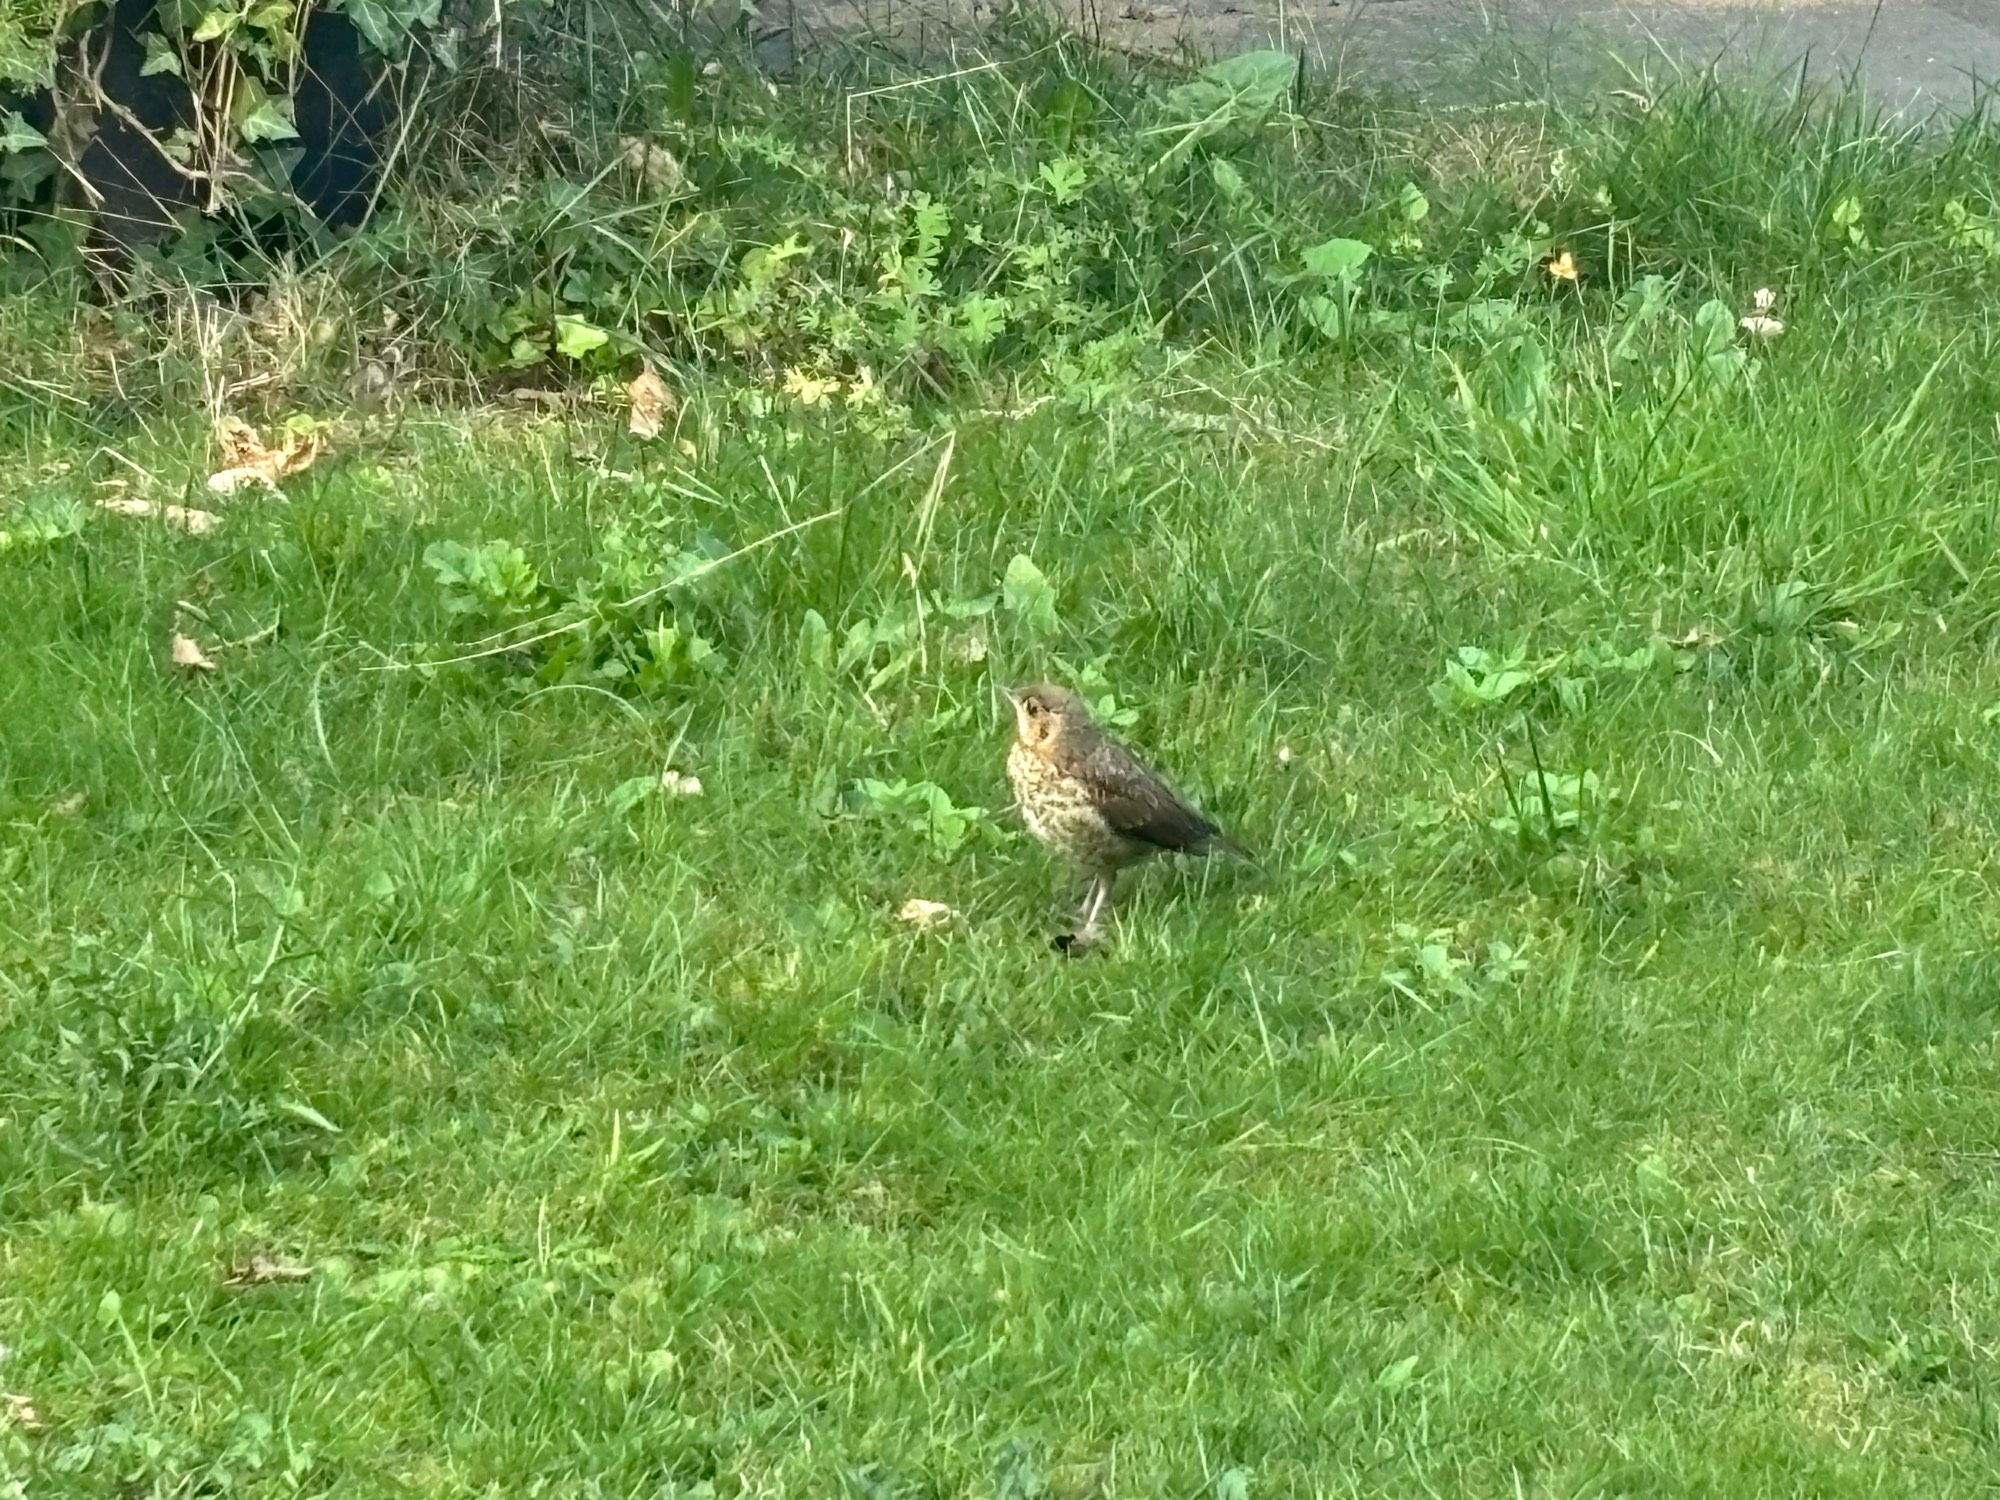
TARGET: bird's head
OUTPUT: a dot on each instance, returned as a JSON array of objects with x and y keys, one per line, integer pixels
[{"x": 1045, "y": 713}]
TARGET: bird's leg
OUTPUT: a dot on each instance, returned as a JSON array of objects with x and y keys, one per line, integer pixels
[
  {"x": 1094, "y": 906},
  {"x": 1099, "y": 903},
  {"x": 1089, "y": 894}
]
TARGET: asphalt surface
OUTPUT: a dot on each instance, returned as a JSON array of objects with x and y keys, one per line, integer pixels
[{"x": 1917, "y": 56}]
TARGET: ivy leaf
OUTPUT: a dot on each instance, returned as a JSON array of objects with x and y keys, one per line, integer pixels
[
  {"x": 577, "y": 337},
  {"x": 214, "y": 25},
  {"x": 387, "y": 25},
  {"x": 178, "y": 147},
  {"x": 16, "y": 134},
  {"x": 377, "y": 26},
  {"x": 160, "y": 57},
  {"x": 269, "y": 121}
]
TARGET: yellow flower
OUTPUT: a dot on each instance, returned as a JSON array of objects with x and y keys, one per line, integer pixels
[
  {"x": 811, "y": 390},
  {"x": 1561, "y": 266}
]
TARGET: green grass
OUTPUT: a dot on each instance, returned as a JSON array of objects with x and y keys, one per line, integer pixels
[{"x": 1596, "y": 1094}]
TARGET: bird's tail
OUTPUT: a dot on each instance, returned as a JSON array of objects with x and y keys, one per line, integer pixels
[{"x": 1217, "y": 839}]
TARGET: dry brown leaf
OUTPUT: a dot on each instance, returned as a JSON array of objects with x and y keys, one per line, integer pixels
[
  {"x": 69, "y": 806},
  {"x": 237, "y": 443},
  {"x": 528, "y": 395},
  {"x": 373, "y": 384},
  {"x": 261, "y": 1270},
  {"x": 921, "y": 913},
  {"x": 189, "y": 656},
  {"x": 20, "y": 1411},
  {"x": 657, "y": 168},
  {"x": 246, "y": 461},
  {"x": 194, "y": 522},
  {"x": 1699, "y": 638},
  {"x": 652, "y": 403}
]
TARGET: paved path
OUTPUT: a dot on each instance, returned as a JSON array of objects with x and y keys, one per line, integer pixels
[{"x": 1917, "y": 55}]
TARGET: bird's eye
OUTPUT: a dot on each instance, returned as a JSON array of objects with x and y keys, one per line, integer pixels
[{"x": 1034, "y": 709}]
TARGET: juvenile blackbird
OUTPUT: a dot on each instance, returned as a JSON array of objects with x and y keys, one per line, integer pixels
[{"x": 1094, "y": 802}]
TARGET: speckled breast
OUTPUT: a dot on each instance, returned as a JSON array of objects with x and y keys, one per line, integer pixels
[{"x": 1060, "y": 814}]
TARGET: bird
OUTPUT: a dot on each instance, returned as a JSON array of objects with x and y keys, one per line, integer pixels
[{"x": 1089, "y": 799}]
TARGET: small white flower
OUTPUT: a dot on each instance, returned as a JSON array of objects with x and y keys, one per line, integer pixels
[
  {"x": 1764, "y": 299},
  {"x": 1284, "y": 755},
  {"x": 921, "y": 913},
  {"x": 1559, "y": 176},
  {"x": 676, "y": 784},
  {"x": 1761, "y": 326}
]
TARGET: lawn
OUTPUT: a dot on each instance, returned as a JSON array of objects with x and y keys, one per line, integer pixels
[{"x": 409, "y": 1087}]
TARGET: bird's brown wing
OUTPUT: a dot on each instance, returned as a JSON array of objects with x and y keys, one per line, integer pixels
[{"x": 1137, "y": 803}]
